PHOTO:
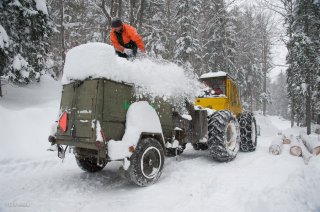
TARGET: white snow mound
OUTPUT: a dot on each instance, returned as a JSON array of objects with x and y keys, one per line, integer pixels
[
  {"x": 135, "y": 125},
  {"x": 41, "y": 5},
  {"x": 4, "y": 38},
  {"x": 98, "y": 60}
]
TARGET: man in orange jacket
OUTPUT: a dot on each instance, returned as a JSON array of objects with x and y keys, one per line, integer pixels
[{"x": 125, "y": 39}]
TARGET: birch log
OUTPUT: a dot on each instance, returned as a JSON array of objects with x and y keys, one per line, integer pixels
[
  {"x": 295, "y": 147},
  {"x": 276, "y": 145},
  {"x": 305, "y": 152},
  {"x": 312, "y": 142}
]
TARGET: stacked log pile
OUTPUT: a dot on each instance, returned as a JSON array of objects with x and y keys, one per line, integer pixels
[{"x": 304, "y": 146}]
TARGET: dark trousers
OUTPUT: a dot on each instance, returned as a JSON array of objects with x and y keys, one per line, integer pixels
[{"x": 131, "y": 45}]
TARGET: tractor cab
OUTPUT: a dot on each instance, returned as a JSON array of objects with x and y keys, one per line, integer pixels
[{"x": 220, "y": 93}]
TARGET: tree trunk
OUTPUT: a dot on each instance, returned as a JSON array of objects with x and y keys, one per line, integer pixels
[
  {"x": 132, "y": 7},
  {"x": 308, "y": 77},
  {"x": 292, "y": 111},
  {"x": 112, "y": 8},
  {"x": 141, "y": 15},
  {"x": 108, "y": 17},
  {"x": 0, "y": 89},
  {"x": 63, "y": 50},
  {"x": 308, "y": 103},
  {"x": 265, "y": 68},
  {"x": 120, "y": 8}
]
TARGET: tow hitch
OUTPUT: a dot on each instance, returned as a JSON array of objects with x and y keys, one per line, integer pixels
[{"x": 61, "y": 151}]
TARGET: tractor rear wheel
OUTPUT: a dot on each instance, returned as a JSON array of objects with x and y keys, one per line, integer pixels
[
  {"x": 248, "y": 132},
  {"x": 223, "y": 136}
]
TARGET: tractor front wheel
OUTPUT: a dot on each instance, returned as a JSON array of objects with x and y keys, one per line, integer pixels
[{"x": 223, "y": 136}]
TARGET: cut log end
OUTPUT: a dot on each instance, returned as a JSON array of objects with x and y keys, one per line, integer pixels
[
  {"x": 296, "y": 151},
  {"x": 286, "y": 141},
  {"x": 275, "y": 150},
  {"x": 316, "y": 151}
]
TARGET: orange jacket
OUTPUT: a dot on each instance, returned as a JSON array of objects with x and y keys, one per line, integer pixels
[{"x": 128, "y": 33}]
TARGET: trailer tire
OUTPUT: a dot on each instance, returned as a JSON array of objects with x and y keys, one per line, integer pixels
[
  {"x": 248, "y": 132},
  {"x": 89, "y": 164},
  {"x": 223, "y": 136},
  {"x": 146, "y": 163}
]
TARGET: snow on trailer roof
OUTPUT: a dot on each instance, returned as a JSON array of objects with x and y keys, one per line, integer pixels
[
  {"x": 215, "y": 74},
  {"x": 152, "y": 77}
]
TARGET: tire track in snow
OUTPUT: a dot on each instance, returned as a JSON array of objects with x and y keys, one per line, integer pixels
[{"x": 9, "y": 166}]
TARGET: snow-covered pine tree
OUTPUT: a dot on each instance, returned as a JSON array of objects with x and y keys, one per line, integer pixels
[
  {"x": 265, "y": 26},
  {"x": 28, "y": 26},
  {"x": 305, "y": 53},
  {"x": 76, "y": 22},
  {"x": 156, "y": 29},
  {"x": 218, "y": 38},
  {"x": 187, "y": 47},
  {"x": 248, "y": 59},
  {"x": 4, "y": 51}
]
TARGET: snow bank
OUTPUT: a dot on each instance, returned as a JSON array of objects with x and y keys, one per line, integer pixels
[
  {"x": 42, "y": 6},
  {"x": 4, "y": 38},
  {"x": 20, "y": 64},
  {"x": 26, "y": 116},
  {"x": 135, "y": 124},
  {"x": 98, "y": 60}
]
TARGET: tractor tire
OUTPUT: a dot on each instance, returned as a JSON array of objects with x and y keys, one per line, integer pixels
[
  {"x": 89, "y": 164},
  {"x": 223, "y": 136},
  {"x": 248, "y": 132},
  {"x": 200, "y": 146},
  {"x": 146, "y": 163}
]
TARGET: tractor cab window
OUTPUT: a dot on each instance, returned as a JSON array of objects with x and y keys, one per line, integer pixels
[{"x": 214, "y": 86}]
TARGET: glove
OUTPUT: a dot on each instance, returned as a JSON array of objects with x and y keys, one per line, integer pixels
[
  {"x": 142, "y": 51},
  {"x": 141, "y": 54},
  {"x": 128, "y": 52}
]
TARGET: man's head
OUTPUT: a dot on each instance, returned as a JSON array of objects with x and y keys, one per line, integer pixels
[{"x": 116, "y": 24}]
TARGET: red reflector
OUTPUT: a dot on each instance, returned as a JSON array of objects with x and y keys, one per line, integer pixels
[{"x": 63, "y": 122}]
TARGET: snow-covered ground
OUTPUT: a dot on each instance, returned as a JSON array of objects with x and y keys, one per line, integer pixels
[{"x": 32, "y": 179}]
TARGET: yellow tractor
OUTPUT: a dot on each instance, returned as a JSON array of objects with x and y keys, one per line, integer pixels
[{"x": 230, "y": 128}]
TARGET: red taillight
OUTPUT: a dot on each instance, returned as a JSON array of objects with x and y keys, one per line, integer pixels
[{"x": 63, "y": 122}]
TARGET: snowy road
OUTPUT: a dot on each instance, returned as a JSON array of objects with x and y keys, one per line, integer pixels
[{"x": 32, "y": 179}]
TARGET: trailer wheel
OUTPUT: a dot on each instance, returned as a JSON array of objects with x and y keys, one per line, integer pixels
[
  {"x": 248, "y": 132},
  {"x": 89, "y": 164},
  {"x": 146, "y": 162},
  {"x": 223, "y": 136}
]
